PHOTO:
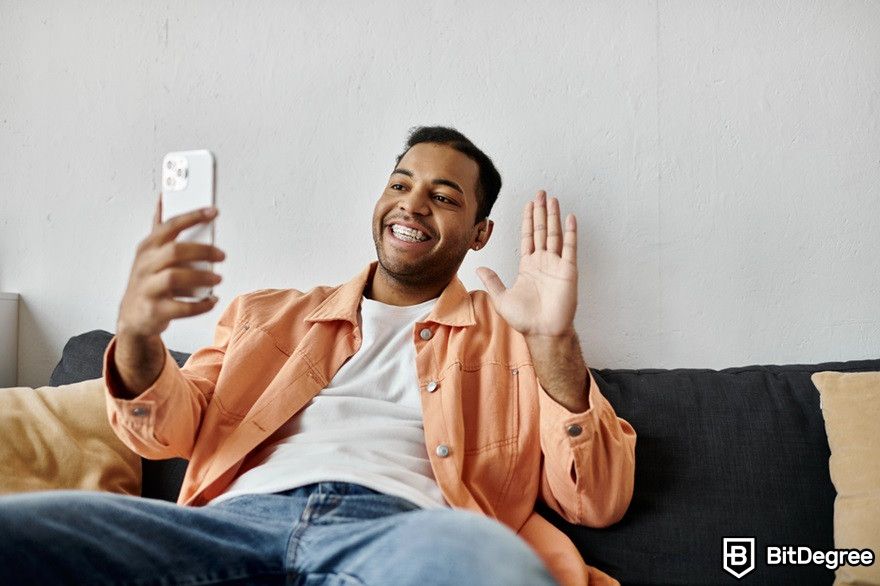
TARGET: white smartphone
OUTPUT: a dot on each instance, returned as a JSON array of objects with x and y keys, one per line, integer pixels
[{"x": 187, "y": 185}]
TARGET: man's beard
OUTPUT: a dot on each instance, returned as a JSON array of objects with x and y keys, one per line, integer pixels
[{"x": 428, "y": 270}]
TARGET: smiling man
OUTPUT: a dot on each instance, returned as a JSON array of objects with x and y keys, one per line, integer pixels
[
  {"x": 395, "y": 429},
  {"x": 433, "y": 210}
]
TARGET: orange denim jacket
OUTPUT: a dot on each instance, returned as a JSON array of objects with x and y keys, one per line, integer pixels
[{"x": 507, "y": 442}]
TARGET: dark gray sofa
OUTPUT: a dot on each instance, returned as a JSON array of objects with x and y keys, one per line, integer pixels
[{"x": 720, "y": 453}]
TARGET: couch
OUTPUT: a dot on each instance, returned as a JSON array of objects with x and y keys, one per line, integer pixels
[{"x": 721, "y": 453}]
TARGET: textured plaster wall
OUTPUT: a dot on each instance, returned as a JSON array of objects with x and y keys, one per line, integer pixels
[{"x": 723, "y": 158}]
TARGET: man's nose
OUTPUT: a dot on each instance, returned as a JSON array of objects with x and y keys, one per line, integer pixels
[{"x": 415, "y": 201}]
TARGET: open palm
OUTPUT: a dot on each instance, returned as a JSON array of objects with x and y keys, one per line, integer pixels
[{"x": 543, "y": 300}]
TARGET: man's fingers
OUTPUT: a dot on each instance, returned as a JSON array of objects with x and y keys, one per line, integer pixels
[
  {"x": 178, "y": 281},
  {"x": 173, "y": 309},
  {"x": 169, "y": 230},
  {"x": 176, "y": 252},
  {"x": 569, "y": 240},
  {"x": 539, "y": 220},
  {"x": 554, "y": 229},
  {"x": 527, "y": 244}
]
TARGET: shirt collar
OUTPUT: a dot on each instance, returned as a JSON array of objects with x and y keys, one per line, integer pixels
[{"x": 453, "y": 308}]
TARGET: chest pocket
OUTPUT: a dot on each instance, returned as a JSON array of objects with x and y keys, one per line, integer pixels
[
  {"x": 490, "y": 405},
  {"x": 252, "y": 360}
]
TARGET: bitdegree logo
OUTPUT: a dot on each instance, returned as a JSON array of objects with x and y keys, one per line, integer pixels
[
  {"x": 739, "y": 556},
  {"x": 832, "y": 559}
]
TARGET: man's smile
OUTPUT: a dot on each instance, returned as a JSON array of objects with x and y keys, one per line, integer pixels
[
  {"x": 407, "y": 232},
  {"x": 407, "y": 238}
]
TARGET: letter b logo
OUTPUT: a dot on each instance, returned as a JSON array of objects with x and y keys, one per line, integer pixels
[{"x": 739, "y": 555}]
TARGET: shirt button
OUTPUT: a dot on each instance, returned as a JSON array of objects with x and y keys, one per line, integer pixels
[
  {"x": 140, "y": 411},
  {"x": 574, "y": 430},
  {"x": 442, "y": 450},
  {"x": 426, "y": 333},
  {"x": 432, "y": 386}
]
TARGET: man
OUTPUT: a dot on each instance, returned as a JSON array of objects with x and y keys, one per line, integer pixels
[{"x": 396, "y": 429}]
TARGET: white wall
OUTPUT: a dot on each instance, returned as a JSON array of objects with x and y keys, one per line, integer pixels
[{"x": 723, "y": 158}]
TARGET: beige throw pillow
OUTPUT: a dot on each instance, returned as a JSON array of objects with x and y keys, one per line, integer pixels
[
  {"x": 59, "y": 438},
  {"x": 851, "y": 408}
]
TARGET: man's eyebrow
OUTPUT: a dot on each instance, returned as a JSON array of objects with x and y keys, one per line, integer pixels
[{"x": 438, "y": 181}]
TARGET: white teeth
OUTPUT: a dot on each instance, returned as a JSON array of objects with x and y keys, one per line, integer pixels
[{"x": 408, "y": 233}]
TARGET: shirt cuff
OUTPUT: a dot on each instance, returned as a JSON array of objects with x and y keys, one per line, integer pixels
[
  {"x": 138, "y": 413},
  {"x": 561, "y": 426}
]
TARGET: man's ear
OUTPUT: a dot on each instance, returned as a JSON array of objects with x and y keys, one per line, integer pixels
[{"x": 484, "y": 231}]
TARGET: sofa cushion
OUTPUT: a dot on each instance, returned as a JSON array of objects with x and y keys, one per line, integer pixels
[
  {"x": 739, "y": 452},
  {"x": 59, "y": 438},
  {"x": 851, "y": 408},
  {"x": 83, "y": 358}
]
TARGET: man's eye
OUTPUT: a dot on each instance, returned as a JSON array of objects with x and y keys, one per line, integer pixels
[{"x": 438, "y": 196}]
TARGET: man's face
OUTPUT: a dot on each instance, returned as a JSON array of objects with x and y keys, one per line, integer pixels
[{"x": 423, "y": 224}]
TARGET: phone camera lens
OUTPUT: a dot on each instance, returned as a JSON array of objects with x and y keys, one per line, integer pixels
[
  {"x": 170, "y": 164},
  {"x": 169, "y": 182}
]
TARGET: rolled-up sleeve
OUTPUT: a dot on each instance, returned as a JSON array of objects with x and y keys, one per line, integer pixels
[
  {"x": 588, "y": 464},
  {"x": 162, "y": 422}
]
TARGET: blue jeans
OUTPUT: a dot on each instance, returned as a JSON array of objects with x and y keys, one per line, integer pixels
[{"x": 324, "y": 533}]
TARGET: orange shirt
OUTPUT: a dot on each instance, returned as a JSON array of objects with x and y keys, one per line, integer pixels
[{"x": 496, "y": 440}]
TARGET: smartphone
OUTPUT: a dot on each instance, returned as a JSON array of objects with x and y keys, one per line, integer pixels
[{"x": 187, "y": 185}]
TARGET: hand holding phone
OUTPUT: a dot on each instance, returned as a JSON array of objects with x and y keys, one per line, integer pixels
[
  {"x": 172, "y": 275},
  {"x": 188, "y": 185},
  {"x": 161, "y": 272}
]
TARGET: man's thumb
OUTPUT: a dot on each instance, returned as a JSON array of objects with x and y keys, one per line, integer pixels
[
  {"x": 491, "y": 281},
  {"x": 157, "y": 216}
]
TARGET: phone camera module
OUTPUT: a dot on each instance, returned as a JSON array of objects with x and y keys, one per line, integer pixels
[{"x": 175, "y": 173}]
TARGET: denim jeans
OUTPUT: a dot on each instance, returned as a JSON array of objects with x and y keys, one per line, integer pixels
[{"x": 334, "y": 533}]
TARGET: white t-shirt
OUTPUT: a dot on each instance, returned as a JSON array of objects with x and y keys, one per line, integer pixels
[{"x": 365, "y": 427}]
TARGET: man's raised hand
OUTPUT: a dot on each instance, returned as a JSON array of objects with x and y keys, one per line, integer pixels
[{"x": 543, "y": 299}]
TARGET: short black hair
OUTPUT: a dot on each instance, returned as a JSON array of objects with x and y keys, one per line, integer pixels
[{"x": 489, "y": 181}]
